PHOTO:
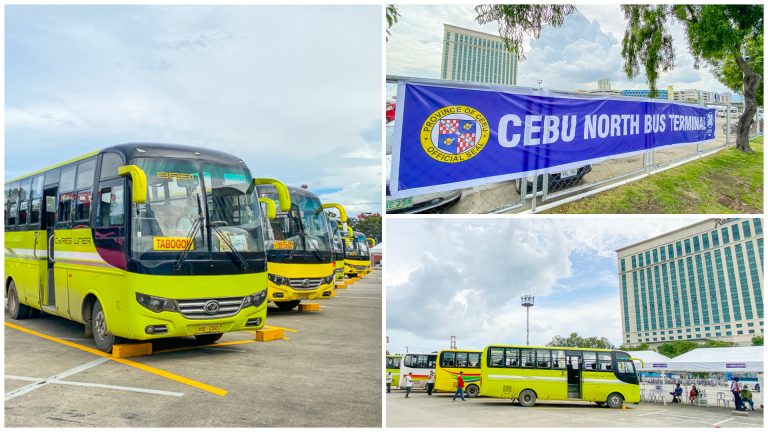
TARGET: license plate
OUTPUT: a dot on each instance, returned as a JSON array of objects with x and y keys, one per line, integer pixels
[
  {"x": 208, "y": 328},
  {"x": 303, "y": 296},
  {"x": 569, "y": 173},
  {"x": 400, "y": 203}
]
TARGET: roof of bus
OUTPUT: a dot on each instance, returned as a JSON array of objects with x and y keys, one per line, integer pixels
[
  {"x": 550, "y": 347},
  {"x": 293, "y": 190},
  {"x": 131, "y": 150},
  {"x": 461, "y": 350}
]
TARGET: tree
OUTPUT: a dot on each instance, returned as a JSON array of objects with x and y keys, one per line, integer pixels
[
  {"x": 730, "y": 74},
  {"x": 757, "y": 341},
  {"x": 574, "y": 340},
  {"x": 368, "y": 224},
  {"x": 676, "y": 348},
  {"x": 642, "y": 347},
  {"x": 715, "y": 34},
  {"x": 392, "y": 16}
]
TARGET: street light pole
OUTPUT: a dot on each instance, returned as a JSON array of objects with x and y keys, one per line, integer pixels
[
  {"x": 527, "y": 302},
  {"x": 539, "y": 84}
]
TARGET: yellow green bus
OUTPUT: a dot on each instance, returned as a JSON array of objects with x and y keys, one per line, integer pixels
[
  {"x": 393, "y": 365},
  {"x": 338, "y": 225},
  {"x": 299, "y": 249},
  {"x": 450, "y": 363},
  {"x": 525, "y": 373},
  {"x": 357, "y": 258},
  {"x": 138, "y": 241}
]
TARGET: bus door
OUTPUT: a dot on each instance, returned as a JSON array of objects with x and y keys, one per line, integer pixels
[
  {"x": 47, "y": 221},
  {"x": 573, "y": 364}
]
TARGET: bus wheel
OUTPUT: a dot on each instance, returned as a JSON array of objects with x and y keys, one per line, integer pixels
[
  {"x": 527, "y": 398},
  {"x": 208, "y": 338},
  {"x": 472, "y": 391},
  {"x": 17, "y": 310},
  {"x": 287, "y": 305},
  {"x": 101, "y": 335},
  {"x": 615, "y": 400}
]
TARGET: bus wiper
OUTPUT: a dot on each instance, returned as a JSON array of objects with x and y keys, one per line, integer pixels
[
  {"x": 223, "y": 237},
  {"x": 191, "y": 235}
]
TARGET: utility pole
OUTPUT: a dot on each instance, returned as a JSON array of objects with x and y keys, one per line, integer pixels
[{"x": 527, "y": 302}]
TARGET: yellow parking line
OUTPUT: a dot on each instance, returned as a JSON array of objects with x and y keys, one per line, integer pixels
[
  {"x": 284, "y": 328},
  {"x": 150, "y": 369}
]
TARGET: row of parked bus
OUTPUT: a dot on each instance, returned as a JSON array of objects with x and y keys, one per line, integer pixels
[
  {"x": 147, "y": 241},
  {"x": 525, "y": 373}
]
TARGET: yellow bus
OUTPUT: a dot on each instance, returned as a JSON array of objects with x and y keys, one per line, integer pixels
[
  {"x": 338, "y": 224},
  {"x": 299, "y": 248},
  {"x": 393, "y": 365},
  {"x": 526, "y": 373},
  {"x": 450, "y": 363},
  {"x": 138, "y": 241},
  {"x": 357, "y": 259}
]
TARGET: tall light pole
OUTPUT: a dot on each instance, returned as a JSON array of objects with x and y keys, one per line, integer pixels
[
  {"x": 527, "y": 302},
  {"x": 539, "y": 84}
]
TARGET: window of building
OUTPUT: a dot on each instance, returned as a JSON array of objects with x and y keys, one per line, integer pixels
[
  {"x": 679, "y": 248},
  {"x": 634, "y": 261},
  {"x": 655, "y": 256},
  {"x": 740, "y": 332},
  {"x": 745, "y": 227},
  {"x": 715, "y": 239},
  {"x": 751, "y": 332},
  {"x": 726, "y": 238},
  {"x": 735, "y": 232},
  {"x": 687, "y": 243},
  {"x": 696, "y": 247},
  {"x": 705, "y": 240},
  {"x": 670, "y": 251},
  {"x": 758, "y": 226}
]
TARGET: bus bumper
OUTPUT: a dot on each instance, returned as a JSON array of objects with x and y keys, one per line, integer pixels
[{"x": 286, "y": 293}]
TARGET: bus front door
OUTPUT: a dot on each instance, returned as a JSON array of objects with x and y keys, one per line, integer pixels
[
  {"x": 573, "y": 362},
  {"x": 48, "y": 281}
]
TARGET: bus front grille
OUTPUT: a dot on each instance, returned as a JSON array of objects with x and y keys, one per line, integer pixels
[
  {"x": 305, "y": 284},
  {"x": 210, "y": 308}
]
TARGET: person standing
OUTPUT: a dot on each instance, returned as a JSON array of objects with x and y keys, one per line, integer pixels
[
  {"x": 736, "y": 394},
  {"x": 459, "y": 387},
  {"x": 746, "y": 398},
  {"x": 389, "y": 381},
  {"x": 408, "y": 384},
  {"x": 430, "y": 383}
]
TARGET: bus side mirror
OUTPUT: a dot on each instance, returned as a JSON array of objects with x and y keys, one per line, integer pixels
[
  {"x": 341, "y": 209},
  {"x": 139, "y": 179},
  {"x": 271, "y": 207},
  {"x": 283, "y": 195}
]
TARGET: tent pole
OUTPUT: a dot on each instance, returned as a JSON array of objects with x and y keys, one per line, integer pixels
[{"x": 664, "y": 386}]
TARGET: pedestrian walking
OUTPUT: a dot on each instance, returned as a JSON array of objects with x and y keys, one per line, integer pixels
[
  {"x": 389, "y": 381},
  {"x": 408, "y": 384},
  {"x": 736, "y": 394},
  {"x": 430, "y": 383},
  {"x": 459, "y": 387}
]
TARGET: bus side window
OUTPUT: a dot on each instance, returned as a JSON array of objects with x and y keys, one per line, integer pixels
[
  {"x": 558, "y": 359},
  {"x": 448, "y": 359},
  {"x": 24, "y": 188},
  {"x": 461, "y": 359},
  {"x": 605, "y": 361},
  {"x": 542, "y": 358},
  {"x": 66, "y": 195},
  {"x": 37, "y": 199},
  {"x": 512, "y": 358},
  {"x": 84, "y": 188},
  {"x": 496, "y": 357},
  {"x": 109, "y": 164},
  {"x": 111, "y": 207},
  {"x": 474, "y": 360},
  {"x": 526, "y": 357},
  {"x": 590, "y": 360},
  {"x": 13, "y": 206}
]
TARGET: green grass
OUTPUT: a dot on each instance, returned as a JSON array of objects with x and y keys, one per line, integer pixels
[{"x": 726, "y": 182}]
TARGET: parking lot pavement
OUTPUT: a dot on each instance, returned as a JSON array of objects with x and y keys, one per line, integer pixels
[
  {"x": 438, "y": 410},
  {"x": 326, "y": 372}
]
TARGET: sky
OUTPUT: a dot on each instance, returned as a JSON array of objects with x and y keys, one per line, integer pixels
[
  {"x": 572, "y": 57},
  {"x": 295, "y": 91},
  {"x": 464, "y": 277}
]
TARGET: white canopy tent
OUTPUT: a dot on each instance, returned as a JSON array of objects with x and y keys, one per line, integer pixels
[
  {"x": 651, "y": 360},
  {"x": 727, "y": 359},
  {"x": 376, "y": 249}
]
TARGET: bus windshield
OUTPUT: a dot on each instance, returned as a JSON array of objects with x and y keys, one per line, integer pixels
[
  {"x": 302, "y": 234},
  {"x": 222, "y": 217},
  {"x": 358, "y": 247}
]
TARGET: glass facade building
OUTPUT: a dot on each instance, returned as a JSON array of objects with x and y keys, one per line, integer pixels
[
  {"x": 472, "y": 56},
  {"x": 701, "y": 282}
]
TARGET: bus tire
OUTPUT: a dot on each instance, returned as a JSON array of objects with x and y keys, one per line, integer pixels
[
  {"x": 472, "y": 390},
  {"x": 17, "y": 310},
  {"x": 287, "y": 305},
  {"x": 615, "y": 400},
  {"x": 208, "y": 338},
  {"x": 527, "y": 398},
  {"x": 101, "y": 335}
]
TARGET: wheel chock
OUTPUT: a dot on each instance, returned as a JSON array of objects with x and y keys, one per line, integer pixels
[
  {"x": 131, "y": 350},
  {"x": 309, "y": 307},
  {"x": 341, "y": 286},
  {"x": 269, "y": 334}
]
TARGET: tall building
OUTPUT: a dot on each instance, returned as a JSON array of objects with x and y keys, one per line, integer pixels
[
  {"x": 604, "y": 84},
  {"x": 660, "y": 94},
  {"x": 701, "y": 282},
  {"x": 694, "y": 95},
  {"x": 472, "y": 56}
]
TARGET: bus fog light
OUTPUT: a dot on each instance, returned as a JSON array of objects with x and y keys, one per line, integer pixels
[
  {"x": 278, "y": 295},
  {"x": 253, "y": 322},
  {"x": 156, "y": 329}
]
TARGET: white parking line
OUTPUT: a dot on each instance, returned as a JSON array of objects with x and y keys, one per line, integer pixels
[
  {"x": 105, "y": 386},
  {"x": 353, "y": 297},
  {"x": 37, "y": 384},
  {"x": 650, "y": 413},
  {"x": 723, "y": 421}
]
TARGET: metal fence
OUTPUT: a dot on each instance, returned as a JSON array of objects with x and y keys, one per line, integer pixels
[{"x": 549, "y": 190}]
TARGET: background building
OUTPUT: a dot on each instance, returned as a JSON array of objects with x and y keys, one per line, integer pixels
[
  {"x": 660, "y": 94},
  {"x": 700, "y": 282},
  {"x": 472, "y": 56}
]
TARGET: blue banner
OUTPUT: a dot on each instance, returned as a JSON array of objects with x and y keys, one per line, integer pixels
[{"x": 448, "y": 138}]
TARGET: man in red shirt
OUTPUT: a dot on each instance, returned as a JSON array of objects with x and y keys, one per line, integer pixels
[{"x": 459, "y": 387}]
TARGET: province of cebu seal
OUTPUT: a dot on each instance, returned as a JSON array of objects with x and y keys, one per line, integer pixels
[{"x": 454, "y": 134}]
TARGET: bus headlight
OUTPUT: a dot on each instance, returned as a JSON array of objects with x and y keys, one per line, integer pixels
[
  {"x": 328, "y": 279},
  {"x": 277, "y": 279},
  {"x": 157, "y": 304},
  {"x": 255, "y": 300}
]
